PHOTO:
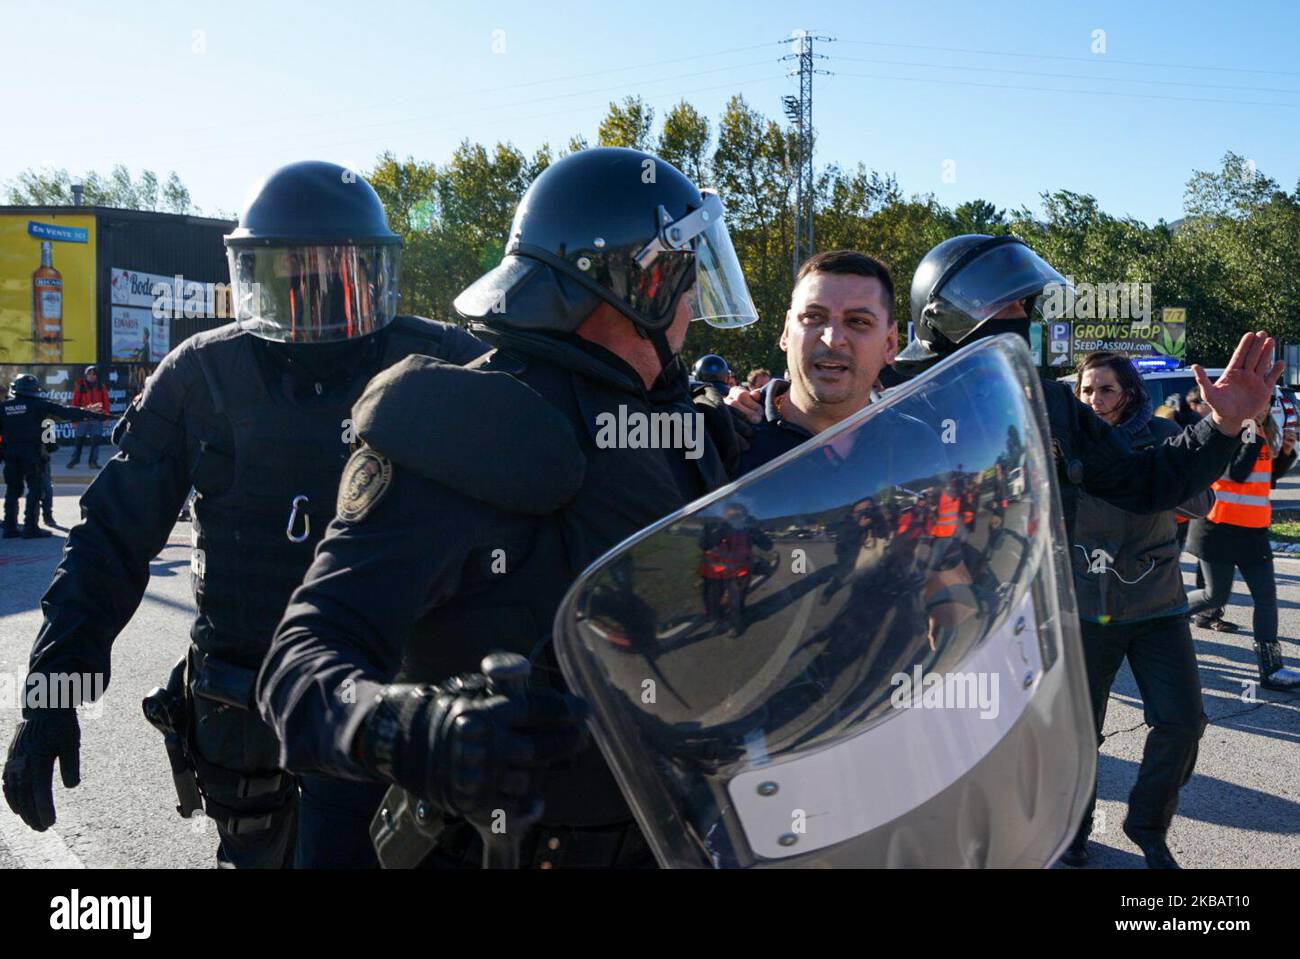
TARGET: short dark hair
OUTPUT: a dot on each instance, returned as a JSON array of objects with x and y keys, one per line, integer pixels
[{"x": 850, "y": 262}]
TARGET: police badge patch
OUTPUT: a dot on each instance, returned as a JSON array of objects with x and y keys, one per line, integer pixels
[{"x": 365, "y": 480}]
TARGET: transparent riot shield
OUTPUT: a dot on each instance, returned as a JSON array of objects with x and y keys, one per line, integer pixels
[{"x": 865, "y": 653}]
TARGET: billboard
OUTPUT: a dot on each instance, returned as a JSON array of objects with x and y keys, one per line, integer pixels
[
  {"x": 1069, "y": 341},
  {"x": 47, "y": 288}
]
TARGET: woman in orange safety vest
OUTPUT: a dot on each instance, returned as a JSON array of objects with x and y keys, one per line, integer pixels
[{"x": 1235, "y": 536}]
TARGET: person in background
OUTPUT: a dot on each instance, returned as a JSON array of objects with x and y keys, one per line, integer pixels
[
  {"x": 1194, "y": 409},
  {"x": 1129, "y": 586},
  {"x": 24, "y": 419},
  {"x": 90, "y": 394},
  {"x": 758, "y": 378},
  {"x": 1235, "y": 536}
]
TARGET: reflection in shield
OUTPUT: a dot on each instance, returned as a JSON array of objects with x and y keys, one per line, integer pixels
[{"x": 764, "y": 630}]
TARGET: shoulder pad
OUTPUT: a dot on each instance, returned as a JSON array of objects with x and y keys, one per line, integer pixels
[
  {"x": 485, "y": 435},
  {"x": 442, "y": 341}
]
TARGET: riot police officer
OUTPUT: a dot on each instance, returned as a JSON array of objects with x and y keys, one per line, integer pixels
[
  {"x": 434, "y": 561},
  {"x": 711, "y": 368},
  {"x": 974, "y": 286},
  {"x": 22, "y": 419},
  {"x": 255, "y": 416}
]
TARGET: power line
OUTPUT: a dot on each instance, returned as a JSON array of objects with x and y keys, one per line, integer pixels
[
  {"x": 531, "y": 115},
  {"x": 1094, "y": 59},
  {"x": 474, "y": 111},
  {"x": 1068, "y": 76},
  {"x": 462, "y": 94},
  {"x": 1090, "y": 93}
]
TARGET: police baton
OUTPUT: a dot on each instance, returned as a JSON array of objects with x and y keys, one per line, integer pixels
[{"x": 507, "y": 675}]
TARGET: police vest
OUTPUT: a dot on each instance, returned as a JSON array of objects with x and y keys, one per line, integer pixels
[
  {"x": 267, "y": 469},
  {"x": 512, "y": 608},
  {"x": 1246, "y": 504}
]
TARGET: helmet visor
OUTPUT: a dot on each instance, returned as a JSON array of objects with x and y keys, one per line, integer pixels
[
  {"x": 721, "y": 296},
  {"x": 992, "y": 281},
  {"x": 314, "y": 294}
]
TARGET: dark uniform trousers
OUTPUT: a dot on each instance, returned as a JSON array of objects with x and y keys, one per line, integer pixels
[
  {"x": 264, "y": 451},
  {"x": 22, "y": 473},
  {"x": 1163, "y": 659}
]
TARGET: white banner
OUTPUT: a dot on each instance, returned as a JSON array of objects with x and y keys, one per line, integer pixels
[{"x": 167, "y": 295}]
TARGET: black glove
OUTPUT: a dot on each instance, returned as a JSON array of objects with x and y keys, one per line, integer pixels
[
  {"x": 29, "y": 768},
  {"x": 466, "y": 749}
]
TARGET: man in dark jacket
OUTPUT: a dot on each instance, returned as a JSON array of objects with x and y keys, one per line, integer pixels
[
  {"x": 89, "y": 394},
  {"x": 256, "y": 416},
  {"x": 972, "y": 286},
  {"x": 434, "y": 561},
  {"x": 23, "y": 419}
]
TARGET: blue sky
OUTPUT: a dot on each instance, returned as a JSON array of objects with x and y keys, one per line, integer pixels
[{"x": 1011, "y": 93}]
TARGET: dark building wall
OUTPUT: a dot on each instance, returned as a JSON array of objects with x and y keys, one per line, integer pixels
[{"x": 164, "y": 244}]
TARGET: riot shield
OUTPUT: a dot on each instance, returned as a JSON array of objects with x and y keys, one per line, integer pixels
[{"x": 865, "y": 653}]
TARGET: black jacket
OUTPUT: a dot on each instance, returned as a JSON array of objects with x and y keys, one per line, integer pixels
[
  {"x": 462, "y": 555},
  {"x": 22, "y": 419},
  {"x": 1093, "y": 457},
  {"x": 174, "y": 438},
  {"x": 1126, "y": 565}
]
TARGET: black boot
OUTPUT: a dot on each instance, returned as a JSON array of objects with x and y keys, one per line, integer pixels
[
  {"x": 1272, "y": 674},
  {"x": 11, "y": 532},
  {"x": 1077, "y": 854},
  {"x": 35, "y": 532},
  {"x": 1152, "y": 844}
]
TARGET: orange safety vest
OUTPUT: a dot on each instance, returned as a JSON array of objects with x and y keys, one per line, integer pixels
[
  {"x": 1246, "y": 504},
  {"x": 946, "y": 523}
]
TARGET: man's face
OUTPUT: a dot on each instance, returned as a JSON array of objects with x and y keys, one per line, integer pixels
[
  {"x": 837, "y": 339},
  {"x": 759, "y": 381}
]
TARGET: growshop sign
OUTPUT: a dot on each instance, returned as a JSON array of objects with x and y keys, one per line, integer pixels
[{"x": 1069, "y": 341}]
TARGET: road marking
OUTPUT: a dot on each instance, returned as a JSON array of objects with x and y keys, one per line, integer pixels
[{"x": 36, "y": 850}]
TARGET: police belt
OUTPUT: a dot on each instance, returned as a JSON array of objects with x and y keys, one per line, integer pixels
[
  {"x": 232, "y": 685},
  {"x": 550, "y": 847}
]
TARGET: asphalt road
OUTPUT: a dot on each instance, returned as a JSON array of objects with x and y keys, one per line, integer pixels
[{"x": 1241, "y": 809}]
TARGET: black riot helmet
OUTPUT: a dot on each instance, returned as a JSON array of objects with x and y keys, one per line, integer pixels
[
  {"x": 963, "y": 283},
  {"x": 711, "y": 368},
  {"x": 616, "y": 226},
  {"x": 25, "y": 384},
  {"x": 313, "y": 259}
]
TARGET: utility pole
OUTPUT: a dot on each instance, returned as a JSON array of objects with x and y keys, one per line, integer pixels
[{"x": 799, "y": 111}]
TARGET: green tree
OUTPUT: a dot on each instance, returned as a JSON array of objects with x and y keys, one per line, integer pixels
[
  {"x": 684, "y": 142},
  {"x": 627, "y": 125},
  {"x": 43, "y": 187}
]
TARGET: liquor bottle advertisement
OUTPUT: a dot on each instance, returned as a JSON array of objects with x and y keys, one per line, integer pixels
[{"x": 47, "y": 288}]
